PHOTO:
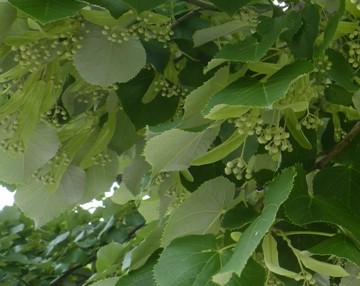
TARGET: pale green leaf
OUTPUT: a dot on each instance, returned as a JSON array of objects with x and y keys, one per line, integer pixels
[
  {"x": 271, "y": 257},
  {"x": 200, "y": 213},
  {"x": 43, "y": 205},
  {"x": 221, "y": 151},
  {"x": 175, "y": 149},
  {"x": 122, "y": 195},
  {"x": 320, "y": 266},
  {"x": 275, "y": 194},
  {"x": 190, "y": 260},
  {"x": 223, "y": 111},
  {"x": 356, "y": 100},
  {"x": 206, "y": 35},
  {"x": 104, "y": 63},
  {"x": 134, "y": 173},
  {"x": 292, "y": 124},
  {"x": 42, "y": 146},
  {"x": 99, "y": 178},
  {"x": 7, "y": 17},
  {"x": 252, "y": 93},
  {"x": 149, "y": 209}
]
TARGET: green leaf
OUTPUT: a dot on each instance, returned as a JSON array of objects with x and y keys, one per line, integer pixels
[
  {"x": 108, "y": 255},
  {"x": 302, "y": 44},
  {"x": 99, "y": 178},
  {"x": 251, "y": 49},
  {"x": 200, "y": 213},
  {"x": 303, "y": 208},
  {"x": 42, "y": 146},
  {"x": 340, "y": 246},
  {"x": 250, "y": 92},
  {"x": 206, "y": 35},
  {"x": 104, "y": 63},
  {"x": 161, "y": 154},
  {"x": 157, "y": 111},
  {"x": 342, "y": 183},
  {"x": 43, "y": 205},
  {"x": 330, "y": 30},
  {"x": 230, "y": 6},
  {"x": 220, "y": 151},
  {"x": 7, "y": 18},
  {"x": 140, "y": 277},
  {"x": 341, "y": 71},
  {"x": 141, "y": 5},
  {"x": 115, "y": 7},
  {"x": 276, "y": 193},
  {"x": 106, "y": 282},
  {"x": 189, "y": 260},
  {"x": 198, "y": 98},
  {"x": 271, "y": 257},
  {"x": 48, "y": 10},
  {"x": 292, "y": 124}
]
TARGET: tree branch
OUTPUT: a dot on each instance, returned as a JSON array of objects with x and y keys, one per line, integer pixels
[
  {"x": 204, "y": 5},
  {"x": 338, "y": 148}
]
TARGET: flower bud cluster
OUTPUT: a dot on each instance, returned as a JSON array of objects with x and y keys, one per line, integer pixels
[
  {"x": 237, "y": 167},
  {"x": 276, "y": 139},
  {"x": 101, "y": 158},
  {"x": 247, "y": 123},
  {"x": 9, "y": 124},
  {"x": 310, "y": 121},
  {"x": 15, "y": 145},
  {"x": 159, "y": 179},
  {"x": 168, "y": 89},
  {"x": 357, "y": 3},
  {"x": 322, "y": 65}
]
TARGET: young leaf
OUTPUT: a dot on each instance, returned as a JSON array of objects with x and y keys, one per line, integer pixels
[
  {"x": 189, "y": 260},
  {"x": 271, "y": 257},
  {"x": 162, "y": 155},
  {"x": 109, "y": 254},
  {"x": 7, "y": 18},
  {"x": 104, "y": 63},
  {"x": 252, "y": 93},
  {"x": 200, "y": 212},
  {"x": 48, "y": 10},
  {"x": 106, "y": 282},
  {"x": 275, "y": 194}
]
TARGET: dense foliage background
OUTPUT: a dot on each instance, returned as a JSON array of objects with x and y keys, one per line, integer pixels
[{"x": 230, "y": 126}]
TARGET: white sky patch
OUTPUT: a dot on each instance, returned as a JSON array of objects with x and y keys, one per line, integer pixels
[{"x": 6, "y": 197}]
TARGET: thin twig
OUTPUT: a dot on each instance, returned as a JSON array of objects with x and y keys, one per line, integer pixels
[{"x": 339, "y": 147}]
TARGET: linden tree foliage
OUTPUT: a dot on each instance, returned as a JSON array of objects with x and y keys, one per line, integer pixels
[{"x": 231, "y": 128}]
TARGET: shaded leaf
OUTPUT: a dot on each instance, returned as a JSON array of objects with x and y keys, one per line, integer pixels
[
  {"x": 200, "y": 213},
  {"x": 141, "y": 5},
  {"x": 48, "y": 10},
  {"x": 230, "y": 6},
  {"x": 43, "y": 205}
]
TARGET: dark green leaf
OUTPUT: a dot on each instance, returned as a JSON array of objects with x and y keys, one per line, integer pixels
[
  {"x": 48, "y": 10},
  {"x": 115, "y": 7},
  {"x": 141, "y": 5},
  {"x": 230, "y": 6},
  {"x": 339, "y": 246},
  {"x": 251, "y": 49},
  {"x": 302, "y": 44},
  {"x": 157, "y": 111}
]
